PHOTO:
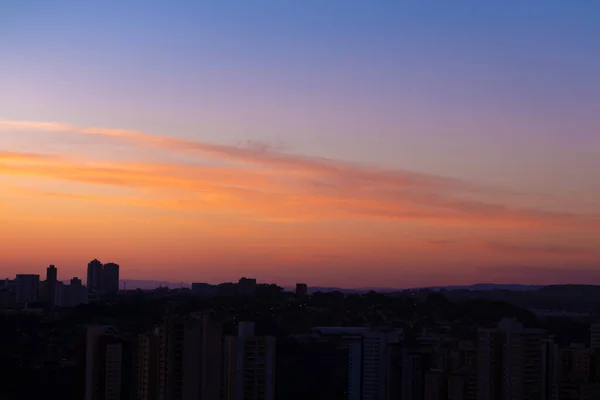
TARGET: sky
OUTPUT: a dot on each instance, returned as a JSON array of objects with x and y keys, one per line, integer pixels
[{"x": 339, "y": 143}]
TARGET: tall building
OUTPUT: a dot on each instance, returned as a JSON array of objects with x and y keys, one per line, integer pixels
[
  {"x": 413, "y": 374},
  {"x": 51, "y": 279},
  {"x": 550, "y": 369},
  {"x": 189, "y": 358},
  {"x": 94, "y": 276},
  {"x": 103, "y": 279},
  {"x": 249, "y": 365},
  {"x": 28, "y": 286},
  {"x": 104, "y": 364},
  {"x": 509, "y": 362},
  {"x": 146, "y": 366},
  {"x": 110, "y": 278}
]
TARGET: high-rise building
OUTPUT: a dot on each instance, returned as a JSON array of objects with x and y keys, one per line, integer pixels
[
  {"x": 146, "y": 366},
  {"x": 28, "y": 286},
  {"x": 550, "y": 368},
  {"x": 229, "y": 365},
  {"x": 110, "y": 278},
  {"x": 509, "y": 362},
  {"x": 413, "y": 374},
  {"x": 189, "y": 358},
  {"x": 102, "y": 279},
  {"x": 94, "y": 276},
  {"x": 51, "y": 279},
  {"x": 248, "y": 365},
  {"x": 104, "y": 364}
]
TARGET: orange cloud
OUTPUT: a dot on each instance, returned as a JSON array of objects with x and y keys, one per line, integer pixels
[
  {"x": 543, "y": 249},
  {"x": 349, "y": 173},
  {"x": 276, "y": 194}
]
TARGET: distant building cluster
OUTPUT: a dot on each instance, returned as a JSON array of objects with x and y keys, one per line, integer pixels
[
  {"x": 354, "y": 347},
  {"x": 244, "y": 287},
  {"x": 28, "y": 291}
]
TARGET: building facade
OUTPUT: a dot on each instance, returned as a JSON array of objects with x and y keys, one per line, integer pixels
[
  {"x": 189, "y": 357},
  {"x": 509, "y": 362}
]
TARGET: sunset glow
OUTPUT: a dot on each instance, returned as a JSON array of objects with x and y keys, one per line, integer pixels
[{"x": 339, "y": 179}]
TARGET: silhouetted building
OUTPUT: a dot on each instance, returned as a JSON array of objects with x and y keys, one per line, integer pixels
[
  {"x": 28, "y": 286},
  {"x": 94, "y": 276},
  {"x": 246, "y": 287},
  {"x": 71, "y": 295},
  {"x": 226, "y": 289},
  {"x": 110, "y": 278},
  {"x": 8, "y": 294},
  {"x": 249, "y": 365},
  {"x": 204, "y": 289},
  {"x": 301, "y": 289},
  {"x": 189, "y": 358},
  {"x": 51, "y": 279},
  {"x": 509, "y": 362}
]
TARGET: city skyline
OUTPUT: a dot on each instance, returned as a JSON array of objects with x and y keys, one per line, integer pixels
[{"x": 344, "y": 145}]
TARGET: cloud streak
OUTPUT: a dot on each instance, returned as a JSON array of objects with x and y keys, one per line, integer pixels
[
  {"x": 275, "y": 195},
  {"x": 542, "y": 249},
  {"x": 260, "y": 155}
]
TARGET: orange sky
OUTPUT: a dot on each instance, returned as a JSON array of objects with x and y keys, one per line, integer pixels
[
  {"x": 342, "y": 144},
  {"x": 167, "y": 208}
]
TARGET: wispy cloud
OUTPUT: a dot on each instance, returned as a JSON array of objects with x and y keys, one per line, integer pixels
[
  {"x": 249, "y": 153},
  {"x": 542, "y": 249},
  {"x": 284, "y": 186}
]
